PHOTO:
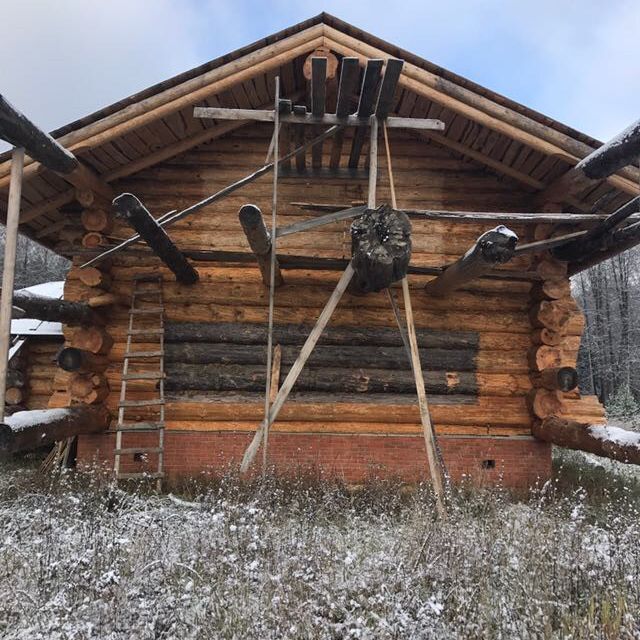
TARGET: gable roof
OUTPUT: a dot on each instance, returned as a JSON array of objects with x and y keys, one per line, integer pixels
[{"x": 154, "y": 124}]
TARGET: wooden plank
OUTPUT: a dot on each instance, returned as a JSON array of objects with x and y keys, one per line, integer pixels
[
  {"x": 392, "y": 73},
  {"x": 9, "y": 267},
  {"x": 297, "y": 367},
  {"x": 357, "y": 120},
  {"x": 346, "y": 89},
  {"x": 366, "y": 106},
  {"x": 313, "y": 223},
  {"x": 318, "y": 101}
]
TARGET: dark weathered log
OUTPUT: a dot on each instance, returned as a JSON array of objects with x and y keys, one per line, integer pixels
[
  {"x": 380, "y": 249},
  {"x": 28, "y": 430},
  {"x": 17, "y": 312},
  {"x": 236, "y": 377},
  {"x": 492, "y": 248},
  {"x": 388, "y": 88},
  {"x": 608, "y": 442},
  {"x": 19, "y": 131},
  {"x": 54, "y": 310},
  {"x": 598, "y": 236},
  {"x": 77, "y": 360},
  {"x": 620, "y": 241},
  {"x": 323, "y": 355},
  {"x": 259, "y": 240},
  {"x": 620, "y": 151},
  {"x": 558, "y": 378},
  {"x": 254, "y": 333},
  {"x": 137, "y": 215},
  {"x": 15, "y": 378}
]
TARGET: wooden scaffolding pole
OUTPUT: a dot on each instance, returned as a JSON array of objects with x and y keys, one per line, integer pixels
[{"x": 8, "y": 272}]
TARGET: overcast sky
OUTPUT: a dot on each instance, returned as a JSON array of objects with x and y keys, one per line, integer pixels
[{"x": 576, "y": 61}]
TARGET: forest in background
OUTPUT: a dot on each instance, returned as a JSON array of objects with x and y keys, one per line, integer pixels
[{"x": 609, "y": 358}]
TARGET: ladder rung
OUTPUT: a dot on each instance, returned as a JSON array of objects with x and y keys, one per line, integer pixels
[
  {"x": 145, "y": 332},
  {"x": 148, "y": 310},
  {"x": 120, "y": 452},
  {"x": 140, "y": 426},
  {"x": 145, "y": 476},
  {"x": 140, "y": 403},
  {"x": 144, "y": 375},
  {"x": 144, "y": 354}
]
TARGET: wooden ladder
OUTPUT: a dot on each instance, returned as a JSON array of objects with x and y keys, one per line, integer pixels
[{"x": 133, "y": 368}]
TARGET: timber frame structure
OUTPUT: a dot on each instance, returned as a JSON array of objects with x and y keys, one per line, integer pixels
[{"x": 491, "y": 207}]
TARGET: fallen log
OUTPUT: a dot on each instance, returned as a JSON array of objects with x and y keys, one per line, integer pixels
[
  {"x": 601, "y": 440},
  {"x": 26, "y": 430},
  {"x": 54, "y": 310},
  {"x": 491, "y": 249},
  {"x": 136, "y": 214},
  {"x": 259, "y": 240},
  {"x": 380, "y": 249}
]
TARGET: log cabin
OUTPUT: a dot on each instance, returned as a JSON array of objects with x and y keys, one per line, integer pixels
[{"x": 450, "y": 348}]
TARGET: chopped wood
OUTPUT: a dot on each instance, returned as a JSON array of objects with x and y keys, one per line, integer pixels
[
  {"x": 602, "y": 440},
  {"x": 259, "y": 240},
  {"x": 491, "y": 249},
  {"x": 381, "y": 248},
  {"x": 97, "y": 220},
  {"x": 28, "y": 430},
  {"x": 138, "y": 216},
  {"x": 92, "y": 339},
  {"x": 92, "y": 277}
]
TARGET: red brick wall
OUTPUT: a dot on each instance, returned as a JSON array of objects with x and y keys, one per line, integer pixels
[{"x": 519, "y": 463}]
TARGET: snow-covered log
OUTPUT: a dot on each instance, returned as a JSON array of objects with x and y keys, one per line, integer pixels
[
  {"x": 608, "y": 442},
  {"x": 492, "y": 248},
  {"x": 26, "y": 430}
]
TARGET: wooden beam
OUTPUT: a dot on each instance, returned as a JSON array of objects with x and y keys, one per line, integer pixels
[
  {"x": 297, "y": 367},
  {"x": 392, "y": 72},
  {"x": 346, "y": 89},
  {"x": 491, "y": 249},
  {"x": 26, "y": 430},
  {"x": 600, "y": 164},
  {"x": 313, "y": 223},
  {"x": 9, "y": 268},
  {"x": 366, "y": 106},
  {"x": 357, "y": 120},
  {"x": 608, "y": 442},
  {"x": 318, "y": 101},
  {"x": 259, "y": 240},
  {"x": 55, "y": 310},
  {"x": 138, "y": 216}
]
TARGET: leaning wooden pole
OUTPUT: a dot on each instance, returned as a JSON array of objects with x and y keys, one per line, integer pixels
[
  {"x": 261, "y": 242},
  {"x": 139, "y": 217},
  {"x": 493, "y": 248},
  {"x": 297, "y": 366},
  {"x": 8, "y": 271}
]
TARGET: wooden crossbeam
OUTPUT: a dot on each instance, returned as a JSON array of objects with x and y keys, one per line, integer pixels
[
  {"x": 388, "y": 88},
  {"x": 366, "y": 106},
  {"x": 357, "y": 120},
  {"x": 318, "y": 101},
  {"x": 346, "y": 90}
]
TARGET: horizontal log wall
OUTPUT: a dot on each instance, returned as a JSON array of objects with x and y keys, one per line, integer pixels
[
  {"x": 493, "y": 403},
  {"x": 41, "y": 370}
]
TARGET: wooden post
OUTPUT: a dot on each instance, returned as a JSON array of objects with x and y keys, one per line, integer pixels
[
  {"x": 373, "y": 163},
  {"x": 8, "y": 271},
  {"x": 425, "y": 418},
  {"x": 260, "y": 242}
]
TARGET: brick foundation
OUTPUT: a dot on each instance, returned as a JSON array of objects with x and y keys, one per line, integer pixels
[{"x": 516, "y": 463}]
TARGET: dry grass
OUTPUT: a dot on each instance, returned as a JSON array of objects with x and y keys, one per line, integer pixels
[{"x": 296, "y": 558}]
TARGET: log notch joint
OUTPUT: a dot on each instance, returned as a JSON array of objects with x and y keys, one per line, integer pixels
[
  {"x": 491, "y": 249},
  {"x": 259, "y": 240},
  {"x": 380, "y": 248},
  {"x": 136, "y": 214}
]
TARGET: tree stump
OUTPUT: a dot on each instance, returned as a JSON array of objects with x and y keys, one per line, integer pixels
[{"x": 380, "y": 248}]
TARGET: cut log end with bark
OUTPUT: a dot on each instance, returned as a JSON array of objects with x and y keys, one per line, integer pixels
[
  {"x": 27, "y": 430},
  {"x": 80, "y": 361},
  {"x": 608, "y": 442},
  {"x": 381, "y": 248}
]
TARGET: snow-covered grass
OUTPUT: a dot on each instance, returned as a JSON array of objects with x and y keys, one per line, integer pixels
[{"x": 301, "y": 559}]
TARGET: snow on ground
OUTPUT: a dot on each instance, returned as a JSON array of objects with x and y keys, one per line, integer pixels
[{"x": 82, "y": 560}]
